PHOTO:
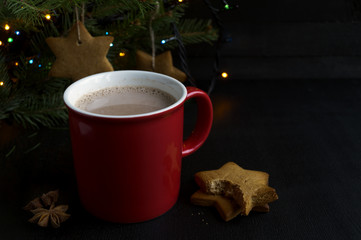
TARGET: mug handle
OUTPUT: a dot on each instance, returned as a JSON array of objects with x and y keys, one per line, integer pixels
[{"x": 204, "y": 121}]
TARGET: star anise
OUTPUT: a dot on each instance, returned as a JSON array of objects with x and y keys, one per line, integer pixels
[
  {"x": 54, "y": 215},
  {"x": 50, "y": 197},
  {"x": 43, "y": 214},
  {"x": 45, "y": 200}
]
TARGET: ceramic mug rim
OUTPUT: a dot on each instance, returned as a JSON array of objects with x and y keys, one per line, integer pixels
[{"x": 124, "y": 78}]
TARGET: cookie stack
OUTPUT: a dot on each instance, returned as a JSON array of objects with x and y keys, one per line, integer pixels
[{"x": 234, "y": 190}]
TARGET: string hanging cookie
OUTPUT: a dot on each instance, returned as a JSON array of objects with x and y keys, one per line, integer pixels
[
  {"x": 79, "y": 54},
  {"x": 162, "y": 63}
]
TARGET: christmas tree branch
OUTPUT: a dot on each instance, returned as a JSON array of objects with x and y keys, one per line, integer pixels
[
  {"x": 30, "y": 100},
  {"x": 35, "y": 110},
  {"x": 31, "y": 12},
  {"x": 110, "y": 7}
]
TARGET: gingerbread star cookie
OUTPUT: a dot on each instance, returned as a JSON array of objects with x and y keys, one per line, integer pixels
[
  {"x": 163, "y": 64},
  {"x": 76, "y": 59},
  {"x": 226, "y": 207},
  {"x": 248, "y": 188}
]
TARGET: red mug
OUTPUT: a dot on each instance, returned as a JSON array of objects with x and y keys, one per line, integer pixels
[{"x": 128, "y": 167}]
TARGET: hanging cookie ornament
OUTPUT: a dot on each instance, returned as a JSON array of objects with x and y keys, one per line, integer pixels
[
  {"x": 163, "y": 63},
  {"x": 79, "y": 54}
]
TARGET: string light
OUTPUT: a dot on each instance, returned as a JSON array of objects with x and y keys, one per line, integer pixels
[
  {"x": 164, "y": 41},
  {"x": 224, "y": 75},
  {"x": 111, "y": 44},
  {"x": 227, "y": 6},
  {"x": 7, "y": 27},
  {"x": 16, "y": 63},
  {"x": 17, "y": 32},
  {"x": 39, "y": 65},
  {"x": 122, "y": 54},
  {"x": 1, "y": 43},
  {"x": 1, "y": 83},
  {"x": 106, "y": 33},
  {"x": 48, "y": 66},
  {"x": 31, "y": 61},
  {"x": 10, "y": 40},
  {"x": 48, "y": 16},
  {"x": 180, "y": 1}
]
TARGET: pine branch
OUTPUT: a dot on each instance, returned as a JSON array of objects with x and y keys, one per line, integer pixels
[
  {"x": 106, "y": 8},
  {"x": 5, "y": 89},
  {"x": 32, "y": 12},
  {"x": 32, "y": 101},
  {"x": 193, "y": 31},
  {"x": 35, "y": 109},
  {"x": 45, "y": 110}
]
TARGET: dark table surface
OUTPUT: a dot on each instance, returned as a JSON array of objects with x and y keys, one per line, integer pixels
[{"x": 305, "y": 133}]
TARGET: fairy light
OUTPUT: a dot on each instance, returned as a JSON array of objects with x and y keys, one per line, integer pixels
[
  {"x": 227, "y": 7},
  {"x": 17, "y": 32},
  {"x": 48, "y": 66},
  {"x": 10, "y": 40},
  {"x": 47, "y": 16},
  {"x": 7, "y": 27},
  {"x": 180, "y": 1},
  {"x": 16, "y": 63},
  {"x": 106, "y": 33},
  {"x": 164, "y": 41},
  {"x": 1, "y": 43},
  {"x": 121, "y": 54},
  {"x": 31, "y": 61},
  {"x": 1, "y": 83},
  {"x": 224, "y": 75},
  {"x": 111, "y": 44}
]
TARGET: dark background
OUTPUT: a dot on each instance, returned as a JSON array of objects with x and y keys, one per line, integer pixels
[
  {"x": 283, "y": 39},
  {"x": 291, "y": 107}
]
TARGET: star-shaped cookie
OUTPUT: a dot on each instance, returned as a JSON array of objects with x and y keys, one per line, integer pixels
[
  {"x": 163, "y": 64},
  {"x": 75, "y": 59},
  {"x": 226, "y": 207},
  {"x": 248, "y": 188}
]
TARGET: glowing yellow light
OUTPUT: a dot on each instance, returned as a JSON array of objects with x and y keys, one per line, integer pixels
[
  {"x": 7, "y": 27},
  {"x": 16, "y": 63},
  {"x": 48, "y": 16},
  {"x": 224, "y": 75},
  {"x": 180, "y": 0},
  {"x": 1, "y": 83},
  {"x": 122, "y": 54},
  {"x": 1, "y": 43}
]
